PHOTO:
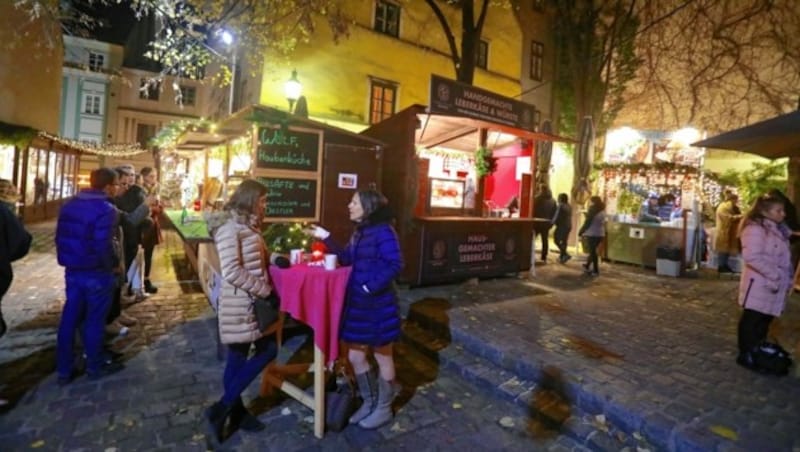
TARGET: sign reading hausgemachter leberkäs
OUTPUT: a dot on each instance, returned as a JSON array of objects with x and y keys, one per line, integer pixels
[
  {"x": 287, "y": 149},
  {"x": 453, "y": 98}
]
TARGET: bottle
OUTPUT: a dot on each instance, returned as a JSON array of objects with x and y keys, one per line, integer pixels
[{"x": 184, "y": 214}]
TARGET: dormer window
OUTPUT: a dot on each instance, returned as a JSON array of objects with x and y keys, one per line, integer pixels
[{"x": 96, "y": 61}]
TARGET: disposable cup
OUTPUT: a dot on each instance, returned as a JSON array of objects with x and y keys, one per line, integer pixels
[
  {"x": 330, "y": 262},
  {"x": 296, "y": 256}
]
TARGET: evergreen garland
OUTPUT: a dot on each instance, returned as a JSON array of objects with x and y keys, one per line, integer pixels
[
  {"x": 19, "y": 136},
  {"x": 485, "y": 163}
]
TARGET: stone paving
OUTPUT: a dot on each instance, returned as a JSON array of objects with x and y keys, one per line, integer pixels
[
  {"x": 652, "y": 357},
  {"x": 172, "y": 374},
  {"x": 627, "y": 360}
]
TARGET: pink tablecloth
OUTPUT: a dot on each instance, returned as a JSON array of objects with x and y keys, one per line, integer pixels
[{"x": 314, "y": 296}]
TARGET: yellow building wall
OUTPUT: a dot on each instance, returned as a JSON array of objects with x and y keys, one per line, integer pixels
[
  {"x": 336, "y": 77},
  {"x": 30, "y": 73}
]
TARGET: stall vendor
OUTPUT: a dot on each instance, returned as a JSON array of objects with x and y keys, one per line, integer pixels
[
  {"x": 666, "y": 207},
  {"x": 649, "y": 210}
]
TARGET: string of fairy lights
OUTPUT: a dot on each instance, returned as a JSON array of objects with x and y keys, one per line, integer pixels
[{"x": 104, "y": 149}]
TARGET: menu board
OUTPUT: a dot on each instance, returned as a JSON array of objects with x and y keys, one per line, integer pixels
[
  {"x": 447, "y": 193},
  {"x": 290, "y": 198},
  {"x": 288, "y": 149}
]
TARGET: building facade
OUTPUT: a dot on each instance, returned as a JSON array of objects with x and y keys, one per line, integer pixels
[{"x": 386, "y": 61}]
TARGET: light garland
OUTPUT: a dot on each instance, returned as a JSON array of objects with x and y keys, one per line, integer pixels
[{"x": 106, "y": 149}]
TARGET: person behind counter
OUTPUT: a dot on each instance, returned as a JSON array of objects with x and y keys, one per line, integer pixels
[
  {"x": 726, "y": 242},
  {"x": 594, "y": 229},
  {"x": 649, "y": 211},
  {"x": 371, "y": 317},
  {"x": 766, "y": 280},
  {"x": 243, "y": 264}
]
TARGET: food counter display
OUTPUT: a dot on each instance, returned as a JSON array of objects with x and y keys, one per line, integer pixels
[{"x": 442, "y": 170}]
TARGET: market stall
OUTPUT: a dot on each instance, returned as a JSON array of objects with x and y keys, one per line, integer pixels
[
  {"x": 654, "y": 189},
  {"x": 458, "y": 177}
]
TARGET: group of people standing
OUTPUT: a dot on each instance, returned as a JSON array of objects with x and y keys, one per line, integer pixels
[
  {"x": 370, "y": 320},
  {"x": 98, "y": 234}
]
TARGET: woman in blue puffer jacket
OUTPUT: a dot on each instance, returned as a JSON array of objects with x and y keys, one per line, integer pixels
[{"x": 371, "y": 317}]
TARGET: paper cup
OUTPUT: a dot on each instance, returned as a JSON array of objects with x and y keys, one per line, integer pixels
[
  {"x": 295, "y": 256},
  {"x": 330, "y": 262}
]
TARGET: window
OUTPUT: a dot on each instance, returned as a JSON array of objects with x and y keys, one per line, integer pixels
[
  {"x": 144, "y": 132},
  {"x": 387, "y": 18},
  {"x": 537, "y": 60},
  {"x": 96, "y": 61},
  {"x": 381, "y": 101},
  {"x": 149, "y": 89},
  {"x": 482, "y": 57},
  {"x": 91, "y": 104},
  {"x": 188, "y": 95}
]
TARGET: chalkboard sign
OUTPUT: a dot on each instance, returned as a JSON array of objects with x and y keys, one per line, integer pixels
[
  {"x": 290, "y": 198},
  {"x": 287, "y": 149}
]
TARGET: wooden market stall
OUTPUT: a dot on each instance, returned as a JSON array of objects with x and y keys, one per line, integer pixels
[
  {"x": 311, "y": 169},
  {"x": 453, "y": 221}
]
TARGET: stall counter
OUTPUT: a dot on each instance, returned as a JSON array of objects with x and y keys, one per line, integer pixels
[
  {"x": 636, "y": 243},
  {"x": 447, "y": 249},
  {"x": 199, "y": 248}
]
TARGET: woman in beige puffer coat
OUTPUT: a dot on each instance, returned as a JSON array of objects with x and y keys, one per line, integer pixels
[{"x": 243, "y": 263}]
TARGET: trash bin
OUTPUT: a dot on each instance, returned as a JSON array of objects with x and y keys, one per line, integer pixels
[{"x": 668, "y": 261}]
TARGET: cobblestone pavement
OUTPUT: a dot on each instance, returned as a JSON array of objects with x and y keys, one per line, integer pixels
[
  {"x": 556, "y": 362},
  {"x": 172, "y": 374}
]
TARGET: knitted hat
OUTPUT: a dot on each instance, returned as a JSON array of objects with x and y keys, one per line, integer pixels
[
  {"x": 126, "y": 169},
  {"x": 8, "y": 192}
]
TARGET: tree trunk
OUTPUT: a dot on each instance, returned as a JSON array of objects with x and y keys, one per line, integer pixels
[{"x": 793, "y": 181}]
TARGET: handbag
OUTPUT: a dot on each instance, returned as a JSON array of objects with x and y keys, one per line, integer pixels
[
  {"x": 265, "y": 310},
  {"x": 340, "y": 403}
]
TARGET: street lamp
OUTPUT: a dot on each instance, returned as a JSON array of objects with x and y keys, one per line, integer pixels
[
  {"x": 292, "y": 88},
  {"x": 228, "y": 39}
]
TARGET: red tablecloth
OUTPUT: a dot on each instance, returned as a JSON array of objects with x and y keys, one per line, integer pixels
[{"x": 314, "y": 296}]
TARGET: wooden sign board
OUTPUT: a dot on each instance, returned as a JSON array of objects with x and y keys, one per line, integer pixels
[
  {"x": 289, "y": 149},
  {"x": 291, "y": 198},
  {"x": 289, "y": 163}
]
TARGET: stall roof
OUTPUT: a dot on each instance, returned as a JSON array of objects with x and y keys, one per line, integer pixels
[
  {"x": 774, "y": 138},
  {"x": 241, "y": 122},
  {"x": 460, "y": 133}
]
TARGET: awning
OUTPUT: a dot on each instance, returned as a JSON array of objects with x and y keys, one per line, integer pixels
[
  {"x": 774, "y": 138},
  {"x": 461, "y": 133}
]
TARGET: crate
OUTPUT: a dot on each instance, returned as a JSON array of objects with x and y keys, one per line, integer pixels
[{"x": 666, "y": 267}]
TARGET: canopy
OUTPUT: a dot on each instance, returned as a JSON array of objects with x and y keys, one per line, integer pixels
[{"x": 774, "y": 138}]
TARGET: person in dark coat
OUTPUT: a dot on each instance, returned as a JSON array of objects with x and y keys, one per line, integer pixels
[
  {"x": 371, "y": 317},
  {"x": 563, "y": 222},
  {"x": 544, "y": 207},
  {"x": 85, "y": 248},
  {"x": 15, "y": 241}
]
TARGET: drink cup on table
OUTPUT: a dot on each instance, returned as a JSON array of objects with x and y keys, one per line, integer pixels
[
  {"x": 330, "y": 262},
  {"x": 296, "y": 256}
]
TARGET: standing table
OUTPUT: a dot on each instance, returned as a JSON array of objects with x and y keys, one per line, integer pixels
[{"x": 314, "y": 296}]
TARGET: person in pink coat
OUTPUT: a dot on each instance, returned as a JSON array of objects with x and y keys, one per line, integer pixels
[{"x": 766, "y": 279}]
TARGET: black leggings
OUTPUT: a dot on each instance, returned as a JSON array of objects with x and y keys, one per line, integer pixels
[
  {"x": 593, "y": 261},
  {"x": 753, "y": 327}
]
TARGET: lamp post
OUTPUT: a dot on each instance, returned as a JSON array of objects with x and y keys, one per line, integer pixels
[
  {"x": 292, "y": 88},
  {"x": 228, "y": 40}
]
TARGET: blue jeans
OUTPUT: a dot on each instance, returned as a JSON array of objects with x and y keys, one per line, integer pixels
[
  {"x": 89, "y": 297},
  {"x": 240, "y": 371}
]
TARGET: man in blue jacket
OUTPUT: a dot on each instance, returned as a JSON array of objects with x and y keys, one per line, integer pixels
[{"x": 84, "y": 244}]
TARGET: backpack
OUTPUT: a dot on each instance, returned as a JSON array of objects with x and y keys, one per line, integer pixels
[{"x": 771, "y": 358}]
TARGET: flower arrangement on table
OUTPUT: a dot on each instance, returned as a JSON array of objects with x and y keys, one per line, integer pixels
[{"x": 281, "y": 238}]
